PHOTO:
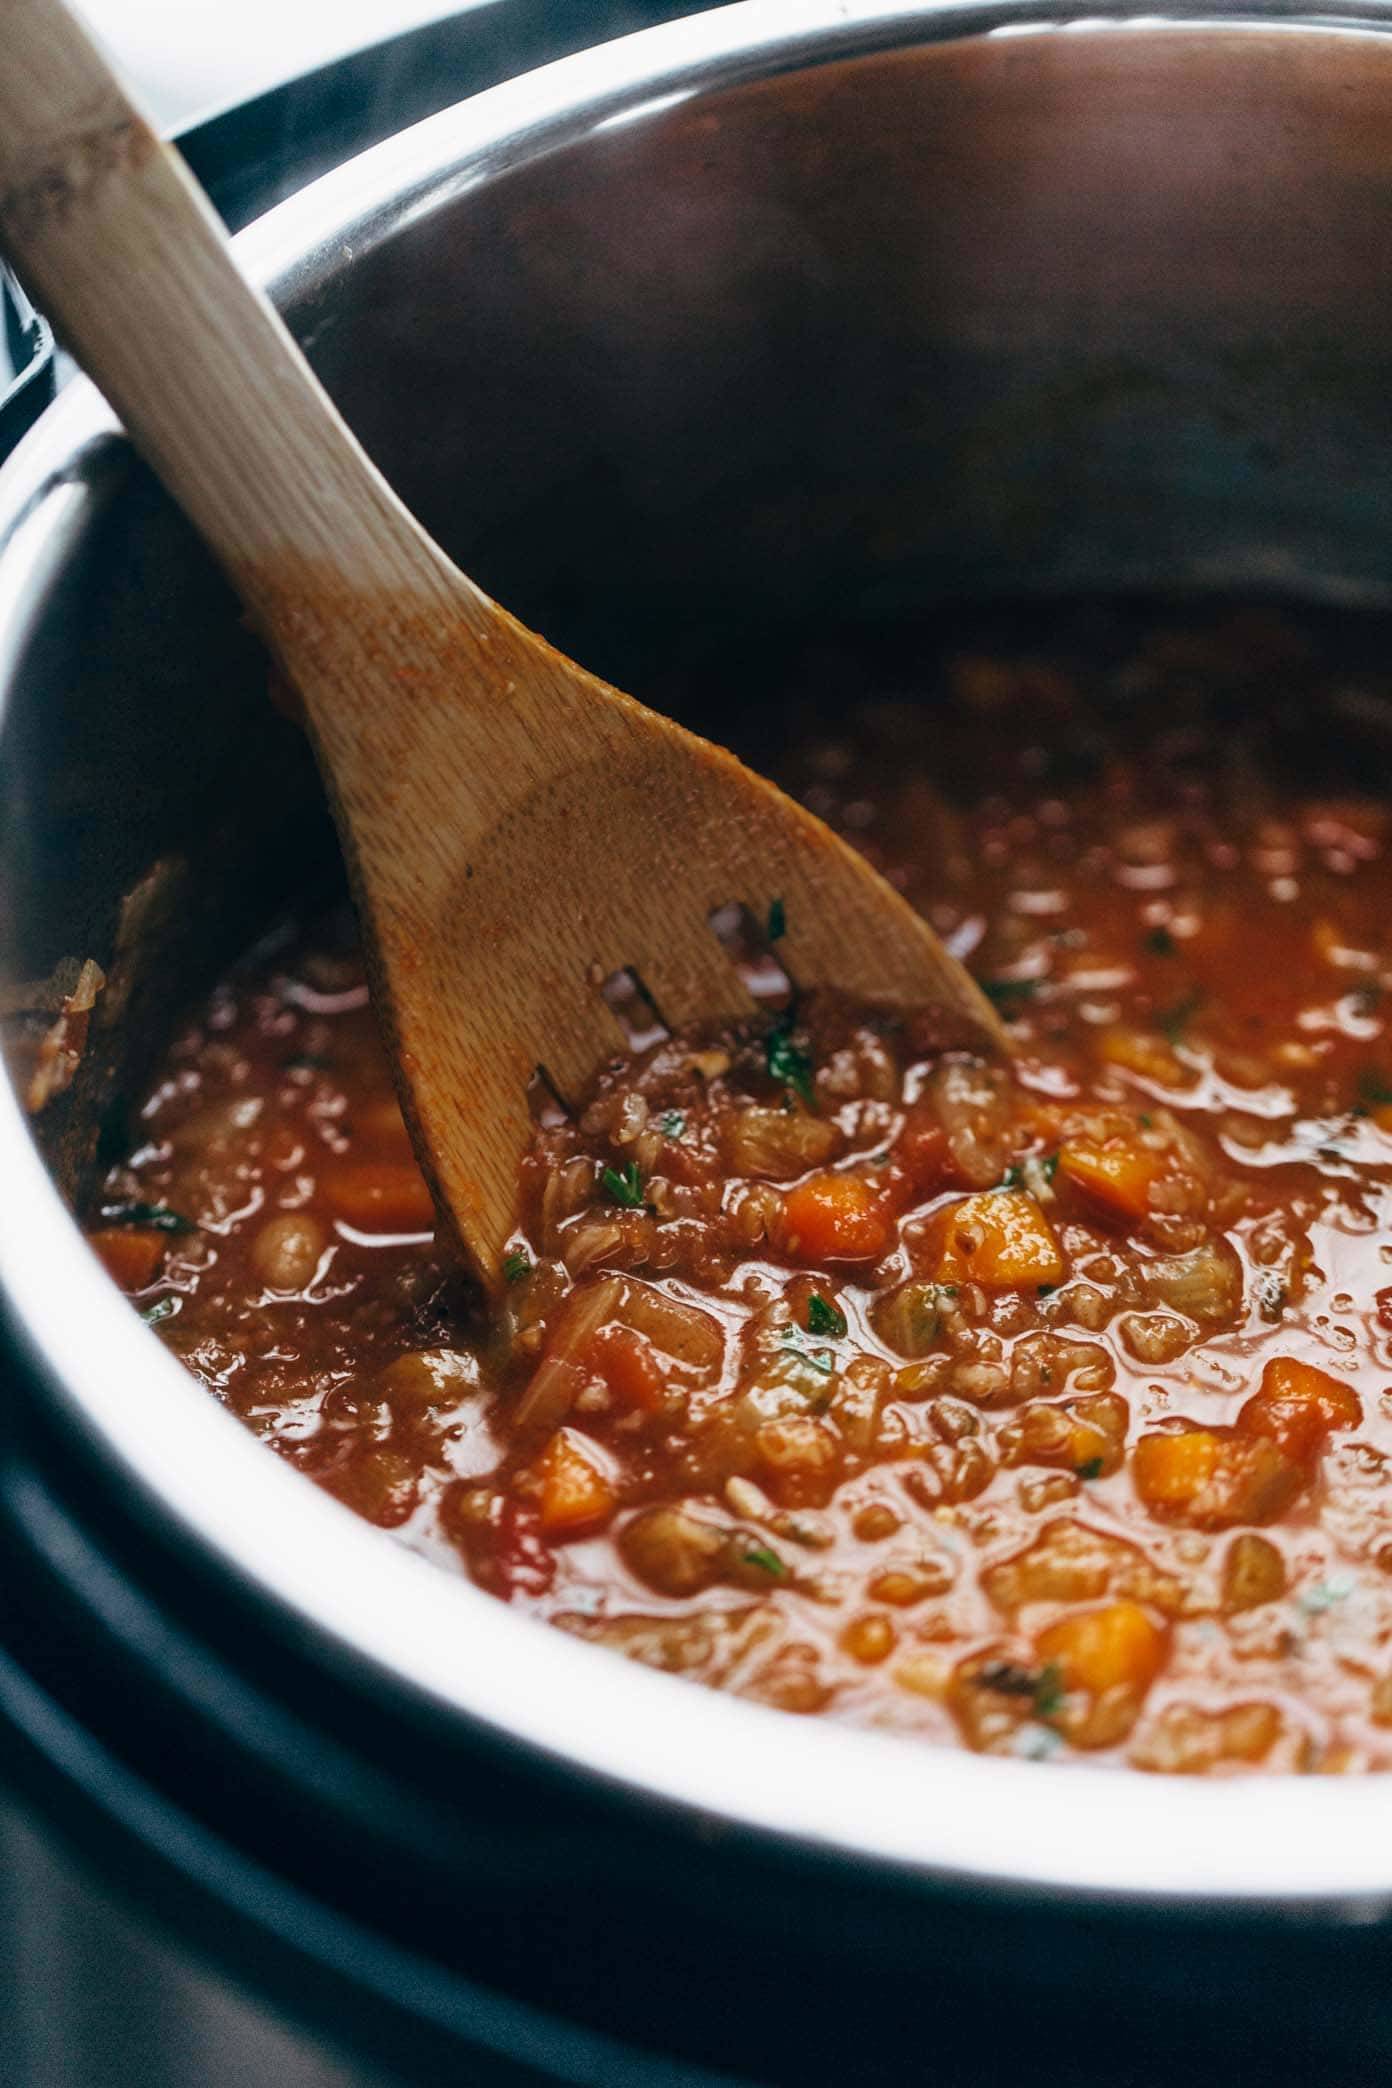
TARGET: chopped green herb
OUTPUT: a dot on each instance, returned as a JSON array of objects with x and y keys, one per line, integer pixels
[
  {"x": 788, "y": 1062},
  {"x": 307, "y": 1062},
  {"x": 1048, "y": 1691},
  {"x": 1145, "y": 1120},
  {"x": 824, "y": 1318},
  {"x": 1034, "y": 1172},
  {"x": 1008, "y": 993},
  {"x": 767, "y": 1561},
  {"x": 1174, "y": 1021},
  {"x": 1045, "y": 1290},
  {"x": 1091, "y": 1468},
  {"x": 671, "y": 1123},
  {"x": 1373, "y": 1091},
  {"x": 162, "y": 1309},
  {"x": 623, "y": 1185},
  {"x": 515, "y": 1267},
  {"x": 1160, "y": 943},
  {"x": 158, "y": 1217},
  {"x": 777, "y": 921}
]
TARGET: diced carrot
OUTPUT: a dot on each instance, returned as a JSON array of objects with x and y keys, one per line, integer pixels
[
  {"x": 835, "y": 1217},
  {"x": 380, "y": 1196},
  {"x": 1000, "y": 1239},
  {"x": 1172, "y": 1470},
  {"x": 577, "y": 1493},
  {"x": 379, "y": 1122},
  {"x": 1115, "y": 1172},
  {"x": 627, "y": 1361},
  {"x": 1116, "y": 1646},
  {"x": 1212, "y": 1478},
  {"x": 1297, "y": 1405},
  {"x": 1143, "y": 1052},
  {"x": 132, "y": 1255}
]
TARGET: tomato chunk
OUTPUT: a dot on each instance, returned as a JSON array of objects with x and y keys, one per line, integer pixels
[
  {"x": 836, "y": 1217},
  {"x": 1000, "y": 1239},
  {"x": 1297, "y": 1406},
  {"x": 380, "y": 1196},
  {"x": 577, "y": 1493},
  {"x": 922, "y": 1150},
  {"x": 627, "y": 1361},
  {"x": 1212, "y": 1478},
  {"x": 132, "y": 1255},
  {"x": 1116, "y": 1173}
]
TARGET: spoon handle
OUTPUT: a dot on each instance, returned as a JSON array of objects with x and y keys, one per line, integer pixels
[{"x": 122, "y": 250}]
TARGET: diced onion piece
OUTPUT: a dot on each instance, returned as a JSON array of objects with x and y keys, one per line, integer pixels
[
  {"x": 1254, "y": 1572},
  {"x": 1001, "y": 1240},
  {"x": 577, "y": 1493},
  {"x": 909, "y": 1317},
  {"x": 684, "y": 1332},
  {"x": 1205, "y": 1284},
  {"x": 835, "y": 1217},
  {"x": 560, "y": 1378},
  {"x": 777, "y": 1144},
  {"x": 974, "y": 1104},
  {"x": 1297, "y": 1406},
  {"x": 423, "y": 1378}
]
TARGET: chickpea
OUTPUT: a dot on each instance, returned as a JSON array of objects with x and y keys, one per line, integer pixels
[
  {"x": 869, "y": 1638},
  {"x": 287, "y": 1250}
]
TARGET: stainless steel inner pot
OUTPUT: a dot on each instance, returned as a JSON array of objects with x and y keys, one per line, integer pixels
[{"x": 783, "y": 307}]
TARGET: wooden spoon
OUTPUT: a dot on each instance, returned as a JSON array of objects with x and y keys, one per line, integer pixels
[{"x": 516, "y": 831}]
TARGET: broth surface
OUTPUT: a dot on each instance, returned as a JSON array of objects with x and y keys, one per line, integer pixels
[{"x": 1045, "y": 1408}]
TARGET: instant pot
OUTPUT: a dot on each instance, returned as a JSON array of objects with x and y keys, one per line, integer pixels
[{"x": 766, "y": 309}]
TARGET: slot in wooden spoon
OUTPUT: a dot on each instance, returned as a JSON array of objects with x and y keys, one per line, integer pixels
[{"x": 516, "y": 831}]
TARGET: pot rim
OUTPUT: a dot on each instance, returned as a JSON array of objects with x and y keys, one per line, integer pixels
[{"x": 1264, "y": 1843}]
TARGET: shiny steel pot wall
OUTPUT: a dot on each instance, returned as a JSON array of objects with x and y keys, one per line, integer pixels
[{"x": 778, "y": 307}]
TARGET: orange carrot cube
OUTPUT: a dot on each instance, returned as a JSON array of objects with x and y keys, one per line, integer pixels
[
  {"x": 1000, "y": 1239},
  {"x": 577, "y": 1494},
  {"x": 1297, "y": 1406},
  {"x": 380, "y": 1196},
  {"x": 132, "y": 1255},
  {"x": 1117, "y": 1645},
  {"x": 836, "y": 1217},
  {"x": 627, "y": 1361},
  {"x": 1212, "y": 1478},
  {"x": 1115, "y": 1173}
]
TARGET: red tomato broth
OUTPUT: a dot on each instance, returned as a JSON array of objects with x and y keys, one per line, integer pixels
[{"x": 824, "y": 1369}]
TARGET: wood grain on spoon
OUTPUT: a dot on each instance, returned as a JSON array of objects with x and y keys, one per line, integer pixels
[{"x": 516, "y": 831}]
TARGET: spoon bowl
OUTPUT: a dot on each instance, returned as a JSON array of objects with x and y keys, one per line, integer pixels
[{"x": 519, "y": 835}]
